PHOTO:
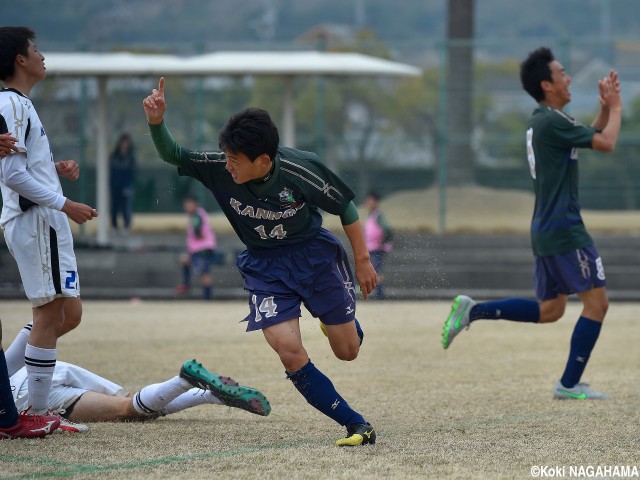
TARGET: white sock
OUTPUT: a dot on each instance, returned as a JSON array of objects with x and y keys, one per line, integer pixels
[
  {"x": 192, "y": 398},
  {"x": 153, "y": 398},
  {"x": 15, "y": 353},
  {"x": 40, "y": 364}
]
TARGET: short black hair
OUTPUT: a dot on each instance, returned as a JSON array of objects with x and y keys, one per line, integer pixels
[
  {"x": 192, "y": 197},
  {"x": 14, "y": 41},
  {"x": 251, "y": 132},
  {"x": 534, "y": 70}
]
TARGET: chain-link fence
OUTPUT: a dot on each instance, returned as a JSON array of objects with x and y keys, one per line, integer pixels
[{"x": 380, "y": 134}]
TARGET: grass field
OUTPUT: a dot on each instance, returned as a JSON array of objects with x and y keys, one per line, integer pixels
[{"x": 481, "y": 409}]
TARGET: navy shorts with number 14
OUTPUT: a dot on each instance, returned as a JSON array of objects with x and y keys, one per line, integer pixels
[{"x": 316, "y": 273}]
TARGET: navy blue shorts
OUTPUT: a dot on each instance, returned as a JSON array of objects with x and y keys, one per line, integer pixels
[
  {"x": 316, "y": 273},
  {"x": 574, "y": 272},
  {"x": 201, "y": 262}
]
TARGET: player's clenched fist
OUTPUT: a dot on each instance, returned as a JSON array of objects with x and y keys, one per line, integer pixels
[
  {"x": 68, "y": 169},
  {"x": 155, "y": 105},
  {"x": 79, "y": 212}
]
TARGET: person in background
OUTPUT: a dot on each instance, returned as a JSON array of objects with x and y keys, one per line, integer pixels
[
  {"x": 378, "y": 236},
  {"x": 122, "y": 169},
  {"x": 201, "y": 246}
]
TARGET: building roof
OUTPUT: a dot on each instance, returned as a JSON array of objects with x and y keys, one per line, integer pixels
[{"x": 304, "y": 63}]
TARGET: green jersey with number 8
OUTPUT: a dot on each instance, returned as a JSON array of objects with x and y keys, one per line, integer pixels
[{"x": 552, "y": 141}]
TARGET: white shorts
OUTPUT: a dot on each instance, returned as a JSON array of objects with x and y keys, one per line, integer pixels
[
  {"x": 41, "y": 242},
  {"x": 69, "y": 383}
]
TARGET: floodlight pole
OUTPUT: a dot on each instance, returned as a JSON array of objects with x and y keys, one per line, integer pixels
[
  {"x": 102, "y": 170},
  {"x": 288, "y": 121}
]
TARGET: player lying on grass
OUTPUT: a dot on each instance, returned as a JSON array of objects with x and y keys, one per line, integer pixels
[
  {"x": 82, "y": 396},
  {"x": 272, "y": 196},
  {"x": 566, "y": 259}
]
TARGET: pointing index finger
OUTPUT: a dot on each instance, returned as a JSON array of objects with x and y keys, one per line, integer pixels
[{"x": 161, "y": 87}]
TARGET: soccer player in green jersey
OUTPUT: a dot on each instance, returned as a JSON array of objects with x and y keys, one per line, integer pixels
[
  {"x": 566, "y": 260},
  {"x": 272, "y": 195}
]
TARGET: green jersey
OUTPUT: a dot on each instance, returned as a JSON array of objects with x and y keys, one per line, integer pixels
[
  {"x": 266, "y": 215},
  {"x": 552, "y": 140}
]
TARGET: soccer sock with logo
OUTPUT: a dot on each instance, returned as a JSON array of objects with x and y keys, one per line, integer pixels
[
  {"x": 153, "y": 398},
  {"x": 8, "y": 412},
  {"x": 15, "y": 352},
  {"x": 318, "y": 390},
  {"x": 585, "y": 335},
  {"x": 40, "y": 364},
  {"x": 192, "y": 398},
  {"x": 514, "y": 309}
]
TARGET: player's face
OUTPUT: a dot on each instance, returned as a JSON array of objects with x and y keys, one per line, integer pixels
[
  {"x": 560, "y": 82},
  {"x": 33, "y": 63},
  {"x": 243, "y": 170}
]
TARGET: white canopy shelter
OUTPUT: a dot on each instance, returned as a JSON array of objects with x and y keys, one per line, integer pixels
[{"x": 287, "y": 65}]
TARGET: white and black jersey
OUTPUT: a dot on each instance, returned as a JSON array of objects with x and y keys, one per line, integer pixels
[{"x": 28, "y": 177}]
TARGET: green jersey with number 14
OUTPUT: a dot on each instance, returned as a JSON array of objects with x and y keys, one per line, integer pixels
[{"x": 278, "y": 212}]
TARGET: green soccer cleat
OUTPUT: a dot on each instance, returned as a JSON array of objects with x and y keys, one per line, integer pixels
[
  {"x": 358, "y": 434},
  {"x": 226, "y": 389},
  {"x": 581, "y": 391},
  {"x": 457, "y": 319}
]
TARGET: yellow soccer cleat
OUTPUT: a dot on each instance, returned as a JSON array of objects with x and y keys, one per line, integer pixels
[{"x": 358, "y": 434}]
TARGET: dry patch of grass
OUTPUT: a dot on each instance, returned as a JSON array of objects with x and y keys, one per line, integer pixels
[{"x": 481, "y": 409}]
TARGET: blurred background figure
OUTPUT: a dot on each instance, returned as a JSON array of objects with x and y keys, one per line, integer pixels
[
  {"x": 122, "y": 166},
  {"x": 378, "y": 236},
  {"x": 201, "y": 246}
]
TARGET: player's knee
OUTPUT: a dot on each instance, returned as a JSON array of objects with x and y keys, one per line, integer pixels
[
  {"x": 347, "y": 353},
  {"x": 554, "y": 316},
  {"x": 293, "y": 359},
  {"x": 597, "y": 312},
  {"x": 71, "y": 322},
  {"x": 604, "y": 307},
  {"x": 551, "y": 313}
]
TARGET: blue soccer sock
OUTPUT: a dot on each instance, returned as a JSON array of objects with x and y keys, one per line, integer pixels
[
  {"x": 318, "y": 390},
  {"x": 585, "y": 335},
  {"x": 359, "y": 330},
  {"x": 514, "y": 309},
  {"x": 8, "y": 411}
]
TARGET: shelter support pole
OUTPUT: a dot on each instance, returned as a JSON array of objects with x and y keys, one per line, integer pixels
[
  {"x": 288, "y": 120},
  {"x": 102, "y": 166}
]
